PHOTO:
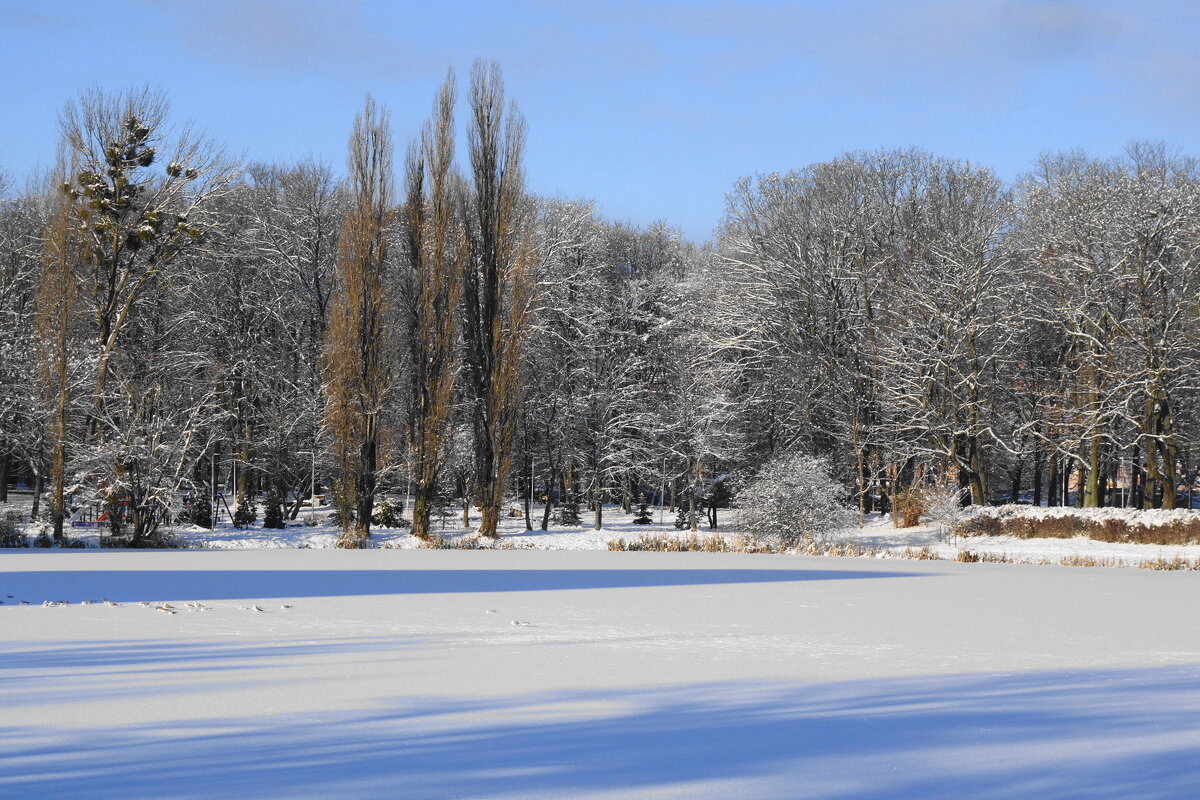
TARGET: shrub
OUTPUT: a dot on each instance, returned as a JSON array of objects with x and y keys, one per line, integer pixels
[
  {"x": 1179, "y": 527},
  {"x": 909, "y": 505},
  {"x": 387, "y": 514},
  {"x": 10, "y": 536},
  {"x": 793, "y": 501}
]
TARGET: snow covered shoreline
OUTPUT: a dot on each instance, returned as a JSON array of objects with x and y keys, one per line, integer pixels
[{"x": 875, "y": 537}]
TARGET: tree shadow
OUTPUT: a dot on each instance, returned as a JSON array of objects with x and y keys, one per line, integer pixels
[
  {"x": 183, "y": 585},
  {"x": 1096, "y": 734}
]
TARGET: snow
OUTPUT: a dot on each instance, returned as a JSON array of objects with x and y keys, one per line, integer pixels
[{"x": 658, "y": 675}]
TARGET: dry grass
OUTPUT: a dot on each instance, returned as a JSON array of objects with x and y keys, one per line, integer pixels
[
  {"x": 1171, "y": 564},
  {"x": 690, "y": 543},
  {"x": 1103, "y": 525},
  {"x": 971, "y": 557},
  {"x": 739, "y": 544},
  {"x": 1090, "y": 561},
  {"x": 919, "y": 554}
]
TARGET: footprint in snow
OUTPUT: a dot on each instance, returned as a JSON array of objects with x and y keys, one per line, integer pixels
[{"x": 519, "y": 623}]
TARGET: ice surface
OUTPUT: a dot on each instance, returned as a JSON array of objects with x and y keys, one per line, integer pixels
[{"x": 638, "y": 675}]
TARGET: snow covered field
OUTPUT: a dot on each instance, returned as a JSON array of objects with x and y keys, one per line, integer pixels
[{"x": 405, "y": 673}]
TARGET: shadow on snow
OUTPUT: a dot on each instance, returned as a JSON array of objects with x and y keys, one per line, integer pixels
[
  {"x": 1095, "y": 734},
  {"x": 182, "y": 585}
]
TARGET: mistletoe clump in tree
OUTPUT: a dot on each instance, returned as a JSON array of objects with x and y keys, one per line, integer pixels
[{"x": 128, "y": 225}]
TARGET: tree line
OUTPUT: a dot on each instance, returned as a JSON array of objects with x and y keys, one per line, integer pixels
[{"x": 172, "y": 321}]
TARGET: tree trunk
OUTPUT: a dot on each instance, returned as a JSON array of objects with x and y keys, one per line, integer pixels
[
  {"x": 1091, "y": 483},
  {"x": 1037, "y": 475},
  {"x": 38, "y": 486},
  {"x": 548, "y": 505}
]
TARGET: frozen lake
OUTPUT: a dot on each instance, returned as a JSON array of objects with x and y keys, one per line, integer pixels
[{"x": 401, "y": 673}]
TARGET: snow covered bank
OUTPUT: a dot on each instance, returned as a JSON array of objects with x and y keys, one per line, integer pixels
[
  {"x": 876, "y": 535},
  {"x": 400, "y": 673}
]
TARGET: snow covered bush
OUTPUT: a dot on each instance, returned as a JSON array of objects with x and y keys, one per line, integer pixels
[
  {"x": 388, "y": 514},
  {"x": 944, "y": 507},
  {"x": 10, "y": 534},
  {"x": 794, "y": 501}
]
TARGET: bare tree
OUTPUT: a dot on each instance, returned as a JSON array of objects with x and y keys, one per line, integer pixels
[
  {"x": 356, "y": 367},
  {"x": 437, "y": 252},
  {"x": 55, "y": 304},
  {"x": 496, "y": 288}
]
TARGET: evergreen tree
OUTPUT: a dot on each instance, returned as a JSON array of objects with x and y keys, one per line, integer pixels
[
  {"x": 201, "y": 512},
  {"x": 568, "y": 512},
  {"x": 683, "y": 513},
  {"x": 273, "y": 509},
  {"x": 246, "y": 512},
  {"x": 642, "y": 516}
]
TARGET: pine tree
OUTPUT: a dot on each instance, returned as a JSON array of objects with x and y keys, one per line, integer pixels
[
  {"x": 683, "y": 517},
  {"x": 568, "y": 512},
  {"x": 200, "y": 513},
  {"x": 246, "y": 512},
  {"x": 643, "y": 516},
  {"x": 273, "y": 509}
]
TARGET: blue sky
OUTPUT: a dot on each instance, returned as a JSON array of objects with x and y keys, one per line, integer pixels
[{"x": 652, "y": 109}]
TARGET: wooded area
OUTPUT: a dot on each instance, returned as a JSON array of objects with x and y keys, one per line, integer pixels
[{"x": 171, "y": 320}]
